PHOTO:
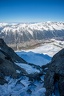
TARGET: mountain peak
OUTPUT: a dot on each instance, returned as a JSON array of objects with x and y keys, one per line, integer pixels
[{"x": 28, "y": 31}]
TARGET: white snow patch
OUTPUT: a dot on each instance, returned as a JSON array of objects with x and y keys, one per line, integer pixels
[
  {"x": 28, "y": 68},
  {"x": 17, "y": 71}
]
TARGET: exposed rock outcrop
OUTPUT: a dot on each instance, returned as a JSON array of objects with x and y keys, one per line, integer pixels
[
  {"x": 7, "y": 63},
  {"x": 55, "y": 74},
  {"x": 10, "y": 52}
]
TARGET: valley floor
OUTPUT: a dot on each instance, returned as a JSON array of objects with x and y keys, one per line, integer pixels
[{"x": 49, "y": 47}]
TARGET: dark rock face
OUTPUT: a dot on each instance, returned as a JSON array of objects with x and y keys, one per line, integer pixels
[
  {"x": 55, "y": 74},
  {"x": 7, "y": 65},
  {"x": 9, "y": 52},
  {"x": 8, "y": 58}
]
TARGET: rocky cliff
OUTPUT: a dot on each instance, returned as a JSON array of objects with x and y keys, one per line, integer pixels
[
  {"x": 7, "y": 63},
  {"x": 10, "y": 52},
  {"x": 54, "y": 78}
]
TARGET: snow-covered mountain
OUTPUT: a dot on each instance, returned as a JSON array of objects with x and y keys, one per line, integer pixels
[
  {"x": 18, "y": 32},
  {"x": 19, "y": 77},
  {"x": 33, "y": 77}
]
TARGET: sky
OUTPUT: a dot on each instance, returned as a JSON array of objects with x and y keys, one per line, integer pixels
[{"x": 31, "y": 10}]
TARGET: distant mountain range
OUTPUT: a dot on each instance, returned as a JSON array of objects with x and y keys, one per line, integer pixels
[{"x": 21, "y": 32}]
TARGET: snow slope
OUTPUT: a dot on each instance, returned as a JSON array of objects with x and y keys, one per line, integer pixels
[
  {"x": 13, "y": 33},
  {"x": 29, "y": 69},
  {"x": 31, "y": 26},
  {"x": 23, "y": 86}
]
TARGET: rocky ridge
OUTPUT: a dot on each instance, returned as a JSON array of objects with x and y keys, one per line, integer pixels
[
  {"x": 8, "y": 66},
  {"x": 7, "y": 63},
  {"x": 54, "y": 78},
  {"x": 53, "y": 72},
  {"x": 18, "y": 33}
]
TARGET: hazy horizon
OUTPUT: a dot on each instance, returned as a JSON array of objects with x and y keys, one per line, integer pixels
[{"x": 32, "y": 22}]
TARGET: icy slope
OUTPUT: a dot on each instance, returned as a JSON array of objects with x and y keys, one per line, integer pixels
[
  {"x": 29, "y": 69},
  {"x": 27, "y": 85},
  {"x": 22, "y": 87},
  {"x": 19, "y": 78}
]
